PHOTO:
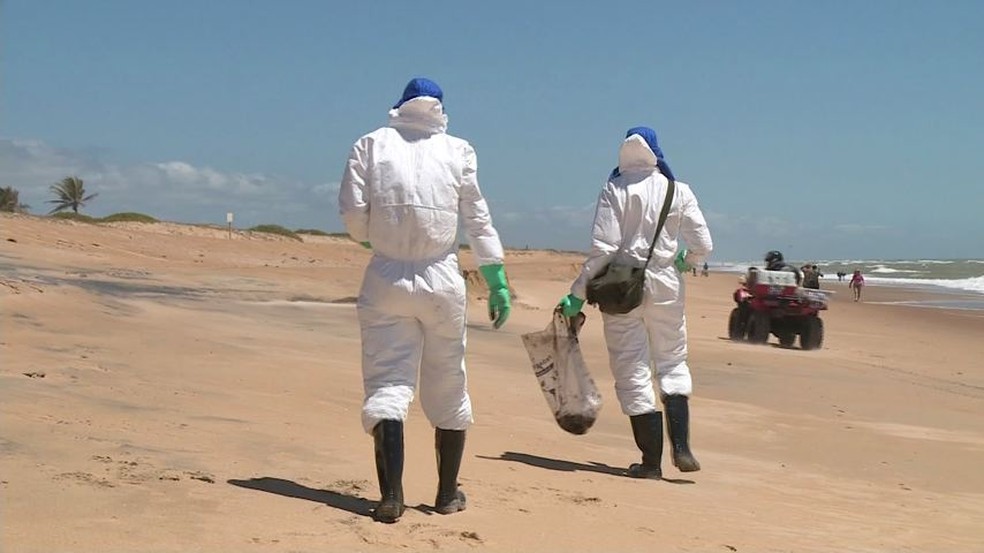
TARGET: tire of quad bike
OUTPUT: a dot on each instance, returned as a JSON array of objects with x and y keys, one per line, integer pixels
[
  {"x": 812, "y": 335},
  {"x": 758, "y": 327},
  {"x": 735, "y": 331},
  {"x": 787, "y": 339}
]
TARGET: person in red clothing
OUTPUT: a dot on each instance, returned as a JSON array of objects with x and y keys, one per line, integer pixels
[
  {"x": 742, "y": 297},
  {"x": 856, "y": 284},
  {"x": 742, "y": 293}
]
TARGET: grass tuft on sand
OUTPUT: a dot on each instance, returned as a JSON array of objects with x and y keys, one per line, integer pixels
[{"x": 276, "y": 229}]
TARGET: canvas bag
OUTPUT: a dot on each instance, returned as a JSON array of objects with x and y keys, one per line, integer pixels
[
  {"x": 619, "y": 287},
  {"x": 559, "y": 367}
]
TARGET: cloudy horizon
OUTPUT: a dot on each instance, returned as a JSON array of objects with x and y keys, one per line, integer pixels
[{"x": 825, "y": 145}]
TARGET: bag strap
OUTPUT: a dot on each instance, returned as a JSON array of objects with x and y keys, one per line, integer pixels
[{"x": 670, "y": 189}]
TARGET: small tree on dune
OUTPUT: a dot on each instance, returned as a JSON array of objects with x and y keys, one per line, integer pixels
[
  {"x": 69, "y": 193},
  {"x": 10, "y": 200}
]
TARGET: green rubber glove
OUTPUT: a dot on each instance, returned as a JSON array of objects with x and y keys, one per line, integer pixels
[
  {"x": 366, "y": 245},
  {"x": 499, "y": 297},
  {"x": 570, "y": 305},
  {"x": 681, "y": 261}
]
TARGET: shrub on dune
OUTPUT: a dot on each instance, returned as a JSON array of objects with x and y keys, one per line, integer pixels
[
  {"x": 10, "y": 200},
  {"x": 276, "y": 229},
  {"x": 128, "y": 216},
  {"x": 311, "y": 231},
  {"x": 71, "y": 216}
]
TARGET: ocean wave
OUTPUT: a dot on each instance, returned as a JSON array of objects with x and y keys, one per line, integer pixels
[
  {"x": 962, "y": 275},
  {"x": 973, "y": 284},
  {"x": 881, "y": 269}
]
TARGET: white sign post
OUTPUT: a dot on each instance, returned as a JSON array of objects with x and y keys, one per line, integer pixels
[{"x": 229, "y": 223}]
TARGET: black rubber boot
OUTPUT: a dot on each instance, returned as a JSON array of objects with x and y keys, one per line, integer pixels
[
  {"x": 449, "y": 446},
  {"x": 388, "y": 437},
  {"x": 678, "y": 427},
  {"x": 648, "y": 432}
]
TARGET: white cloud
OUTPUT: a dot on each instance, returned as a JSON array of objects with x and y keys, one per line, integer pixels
[
  {"x": 181, "y": 191},
  {"x": 174, "y": 190},
  {"x": 859, "y": 228}
]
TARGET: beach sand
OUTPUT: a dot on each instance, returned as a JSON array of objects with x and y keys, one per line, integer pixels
[{"x": 167, "y": 387}]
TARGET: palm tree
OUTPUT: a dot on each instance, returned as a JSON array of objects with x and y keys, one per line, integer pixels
[
  {"x": 70, "y": 193},
  {"x": 10, "y": 200}
]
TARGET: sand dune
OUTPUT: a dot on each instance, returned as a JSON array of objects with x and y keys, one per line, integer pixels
[{"x": 166, "y": 387}]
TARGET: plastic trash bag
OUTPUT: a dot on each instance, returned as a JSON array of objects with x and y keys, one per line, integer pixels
[{"x": 559, "y": 367}]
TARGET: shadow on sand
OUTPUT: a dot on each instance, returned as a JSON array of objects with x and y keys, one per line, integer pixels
[
  {"x": 287, "y": 488},
  {"x": 351, "y": 503},
  {"x": 568, "y": 466}
]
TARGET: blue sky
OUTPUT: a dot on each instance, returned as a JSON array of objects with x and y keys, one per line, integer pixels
[{"x": 826, "y": 129}]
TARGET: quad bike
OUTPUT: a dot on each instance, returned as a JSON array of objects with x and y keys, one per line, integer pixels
[{"x": 778, "y": 306}]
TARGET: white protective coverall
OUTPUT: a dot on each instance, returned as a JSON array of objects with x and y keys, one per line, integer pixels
[
  {"x": 655, "y": 333},
  {"x": 405, "y": 189}
]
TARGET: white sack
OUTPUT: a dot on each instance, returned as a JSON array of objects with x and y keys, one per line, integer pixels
[{"x": 559, "y": 367}]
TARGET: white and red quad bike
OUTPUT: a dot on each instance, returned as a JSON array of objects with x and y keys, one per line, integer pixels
[{"x": 778, "y": 306}]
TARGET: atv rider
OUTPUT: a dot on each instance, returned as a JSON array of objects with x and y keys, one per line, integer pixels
[{"x": 774, "y": 262}]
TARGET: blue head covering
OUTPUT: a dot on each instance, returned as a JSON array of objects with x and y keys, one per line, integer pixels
[
  {"x": 420, "y": 87},
  {"x": 649, "y": 136}
]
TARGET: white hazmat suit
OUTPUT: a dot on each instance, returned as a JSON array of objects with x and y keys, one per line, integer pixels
[
  {"x": 655, "y": 333},
  {"x": 405, "y": 189}
]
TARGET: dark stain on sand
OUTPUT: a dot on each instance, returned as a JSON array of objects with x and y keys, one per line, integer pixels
[{"x": 134, "y": 289}]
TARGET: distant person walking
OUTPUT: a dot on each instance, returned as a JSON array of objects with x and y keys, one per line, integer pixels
[
  {"x": 405, "y": 190},
  {"x": 650, "y": 342},
  {"x": 856, "y": 284}
]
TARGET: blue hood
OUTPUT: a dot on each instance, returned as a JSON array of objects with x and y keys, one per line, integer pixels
[
  {"x": 420, "y": 87},
  {"x": 649, "y": 136}
]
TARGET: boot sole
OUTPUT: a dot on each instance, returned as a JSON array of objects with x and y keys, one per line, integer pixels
[
  {"x": 388, "y": 513},
  {"x": 686, "y": 464},
  {"x": 457, "y": 504},
  {"x": 644, "y": 473}
]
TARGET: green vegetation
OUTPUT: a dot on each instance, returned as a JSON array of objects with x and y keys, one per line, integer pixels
[
  {"x": 128, "y": 216},
  {"x": 10, "y": 200},
  {"x": 114, "y": 218},
  {"x": 312, "y": 232},
  {"x": 69, "y": 193},
  {"x": 276, "y": 229},
  {"x": 339, "y": 235},
  {"x": 75, "y": 217}
]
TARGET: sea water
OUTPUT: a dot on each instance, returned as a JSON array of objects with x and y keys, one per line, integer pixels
[{"x": 963, "y": 279}]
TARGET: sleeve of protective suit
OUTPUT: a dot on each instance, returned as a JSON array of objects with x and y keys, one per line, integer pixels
[
  {"x": 693, "y": 228},
  {"x": 353, "y": 194},
  {"x": 606, "y": 236},
  {"x": 482, "y": 236}
]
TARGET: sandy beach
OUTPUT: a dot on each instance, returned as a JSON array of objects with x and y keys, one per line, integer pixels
[{"x": 172, "y": 388}]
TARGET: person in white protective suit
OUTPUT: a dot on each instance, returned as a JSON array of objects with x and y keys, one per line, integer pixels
[
  {"x": 652, "y": 338},
  {"x": 405, "y": 189}
]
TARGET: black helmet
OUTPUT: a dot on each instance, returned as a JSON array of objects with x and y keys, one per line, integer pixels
[{"x": 773, "y": 257}]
